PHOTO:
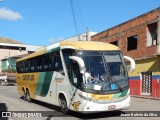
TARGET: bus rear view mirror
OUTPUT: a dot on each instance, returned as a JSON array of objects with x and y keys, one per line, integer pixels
[
  {"x": 80, "y": 63},
  {"x": 132, "y": 65}
]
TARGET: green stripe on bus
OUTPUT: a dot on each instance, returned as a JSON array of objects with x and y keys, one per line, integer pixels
[
  {"x": 46, "y": 84},
  {"x": 52, "y": 50},
  {"x": 116, "y": 95},
  {"x": 123, "y": 93},
  {"x": 40, "y": 82},
  {"x": 120, "y": 94}
]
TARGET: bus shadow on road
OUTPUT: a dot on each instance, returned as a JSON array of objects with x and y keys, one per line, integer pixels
[
  {"x": 97, "y": 115},
  {"x": 3, "y": 108},
  {"x": 57, "y": 112},
  {"x": 46, "y": 105}
]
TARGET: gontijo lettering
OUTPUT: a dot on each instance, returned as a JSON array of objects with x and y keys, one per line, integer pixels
[{"x": 28, "y": 77}]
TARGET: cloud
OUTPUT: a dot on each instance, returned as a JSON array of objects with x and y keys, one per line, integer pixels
[
  {"x": 9, "y": 14},
  {"x": 60, "y": 38},
  {"x": 52, "y": 40}
]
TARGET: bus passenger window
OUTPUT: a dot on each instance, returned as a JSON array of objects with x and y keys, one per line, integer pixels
[
  {"x": 39, "y": 64},
  {"x": 51, "y": 66},
  {"x": 26, "y": 66},
  {"x": 58, "y": 62},
  {"x": 18, "y": 67},
  {"x": 22, "y": 67},
  {"x": 46, "y": 61},
  {"x": 32, "y": 62},
  {"x": 76, "y": 77},
  {"x": 49, "y": 61}
]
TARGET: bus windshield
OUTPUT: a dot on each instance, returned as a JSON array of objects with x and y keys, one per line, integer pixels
[{"x": 105, "y": 71}]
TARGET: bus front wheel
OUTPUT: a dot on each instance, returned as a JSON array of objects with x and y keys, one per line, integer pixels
[{"x": 64, "y": 107}]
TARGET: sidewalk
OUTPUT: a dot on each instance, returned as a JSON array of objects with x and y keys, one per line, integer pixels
[{"x": 145, "y": 97}]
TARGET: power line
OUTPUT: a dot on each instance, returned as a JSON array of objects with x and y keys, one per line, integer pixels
[
  {"x": 74, "y": 18},
  {"x": 80, "y": 15}
]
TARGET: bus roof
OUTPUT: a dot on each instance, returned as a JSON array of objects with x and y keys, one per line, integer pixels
[
  {"x": 90, "y": 45},
  {"x": 78, "y": 45}
]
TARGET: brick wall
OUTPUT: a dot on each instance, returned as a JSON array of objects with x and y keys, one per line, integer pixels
[{"x": 136, "y": 26}]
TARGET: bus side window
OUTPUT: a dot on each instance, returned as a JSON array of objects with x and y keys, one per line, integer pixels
[
  {"x": 66, "y": 59},
  {"x": 46, "y": 61},
  {"x": 76, "y": 77},
  {"x": 18, "y": 67},
  {"x": 32, "y": 64},
  {"x": 58, "y": 62},
  {"x": 49, "y": 61},
  {"x": 66, "y": 54},
  {"x": 39, "y": 63},
  {"x": 22, "y": 67},
  {"x": 26, "y": 65},
  {"x": 51, "y": 57}
]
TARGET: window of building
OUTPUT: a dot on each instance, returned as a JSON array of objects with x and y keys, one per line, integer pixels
[
  {"x": 12, "y": 47},
  {"x": 152, "y": 34},
  {"x": 114, "y": 43},
  {"x": 132, "y": 42}
]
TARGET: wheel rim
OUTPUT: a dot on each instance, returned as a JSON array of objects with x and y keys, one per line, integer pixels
[
  {"x": 63, "y": 105},
  {"x": 24, "y": 95},
  {"x": 28, "y": 97}
]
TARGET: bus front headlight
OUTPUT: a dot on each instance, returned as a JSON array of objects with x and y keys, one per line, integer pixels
[{"x": 85, "y": 97}]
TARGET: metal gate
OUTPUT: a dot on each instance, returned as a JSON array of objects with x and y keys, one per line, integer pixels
[{"x": 146, "y": 83}]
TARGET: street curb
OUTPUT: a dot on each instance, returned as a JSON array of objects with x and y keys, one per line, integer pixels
[{"x": 144, "y": 97}]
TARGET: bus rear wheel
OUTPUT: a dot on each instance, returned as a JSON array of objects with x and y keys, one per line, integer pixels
[
  {"x": 64, "y": 107},
  {"x": 28, "y": 98},
  {"x": 24, "y": 95}
]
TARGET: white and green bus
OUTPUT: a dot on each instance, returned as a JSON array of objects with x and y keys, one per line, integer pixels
[{"x": 82, "y": 76}]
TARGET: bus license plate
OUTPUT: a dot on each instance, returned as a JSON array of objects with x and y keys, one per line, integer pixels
[{"x": 111, "y": 107}]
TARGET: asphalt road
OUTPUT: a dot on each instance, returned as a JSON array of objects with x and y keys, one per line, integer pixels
[{"x": 11, "y": 101}]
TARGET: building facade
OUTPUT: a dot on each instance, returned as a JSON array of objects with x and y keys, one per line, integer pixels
[
  {"x": 139, "y": 38},
  {"x": 81, "y": 37},
  {"x": 10, "y": 51},
  {"x": 9, "y": 64}
]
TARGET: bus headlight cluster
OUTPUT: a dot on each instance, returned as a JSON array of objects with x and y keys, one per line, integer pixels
[{"x": 85, "y": 97}]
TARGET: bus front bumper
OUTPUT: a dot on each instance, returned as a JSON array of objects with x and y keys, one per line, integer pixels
[{"x": 98, "y": 107}]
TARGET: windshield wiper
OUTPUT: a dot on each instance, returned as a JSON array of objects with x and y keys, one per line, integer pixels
[
  {"x": 92, "y": 90},
  {"x": 117, "y": 85},
  {"x": 107, "y": 71},
  {"x": 111, "y": 83}
]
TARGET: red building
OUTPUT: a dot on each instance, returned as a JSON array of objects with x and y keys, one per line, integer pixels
[{"x": 139, "y": 38}]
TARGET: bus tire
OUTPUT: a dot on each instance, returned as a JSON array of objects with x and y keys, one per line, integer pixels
[
  {"x": 5, "y": 83},
  {"x": 64, "y": 107},
  {"x": 24, "y": 95},
  {"x": 28, "y": 98},
  {"x": 2, "y": 83}
]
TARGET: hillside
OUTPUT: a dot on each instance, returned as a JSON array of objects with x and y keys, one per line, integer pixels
[{"x": 7, "y": 40}]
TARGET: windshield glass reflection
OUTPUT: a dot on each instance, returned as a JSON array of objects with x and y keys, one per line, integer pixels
[{"x": 105, "y": 71}]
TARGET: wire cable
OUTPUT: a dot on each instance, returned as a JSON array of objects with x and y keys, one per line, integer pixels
[{"x": 74, "y": 18}]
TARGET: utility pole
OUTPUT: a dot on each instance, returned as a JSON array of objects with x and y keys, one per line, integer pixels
[
  {"x": 9, "y": 61},
  {"x": 87, "y": 34}
]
